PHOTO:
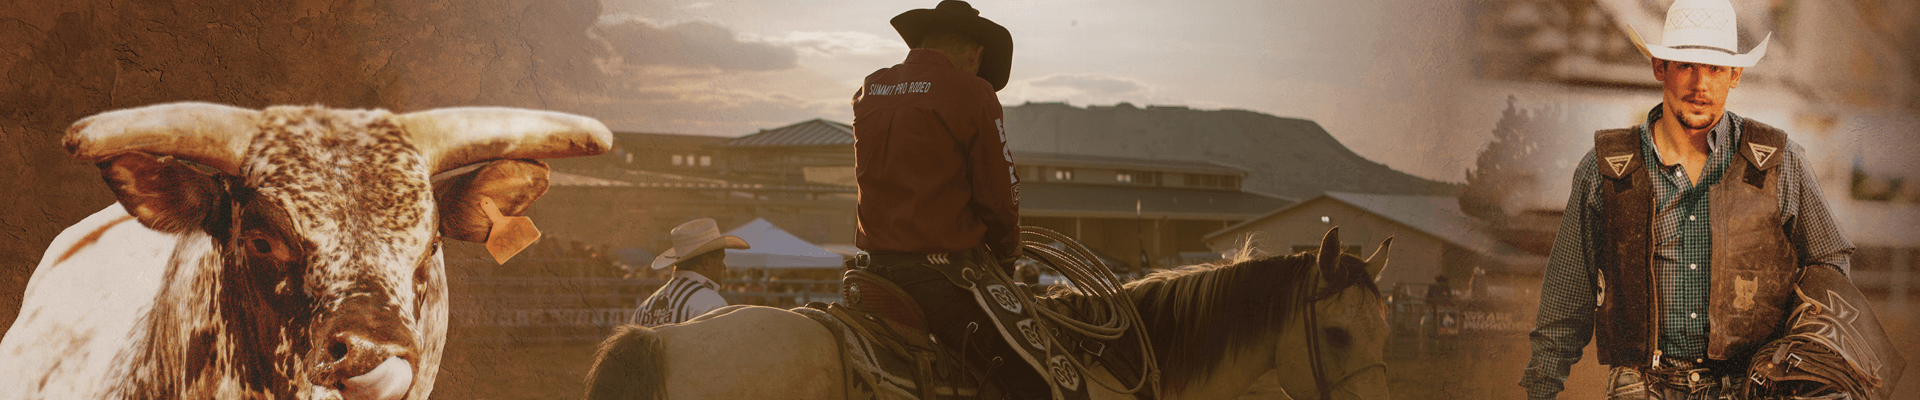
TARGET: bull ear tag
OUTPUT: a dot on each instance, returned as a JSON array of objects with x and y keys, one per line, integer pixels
[{"x": 510, "y": 235}]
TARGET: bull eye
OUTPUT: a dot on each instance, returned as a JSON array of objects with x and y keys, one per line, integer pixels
[
  {"x": 258, "y": 245},
  {"x": 268, "y": 247}
]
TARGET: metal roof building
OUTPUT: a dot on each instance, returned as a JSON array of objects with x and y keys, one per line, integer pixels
[
  {"x": 1431, "y": 236},
  {"x": 814, "y": 132}
]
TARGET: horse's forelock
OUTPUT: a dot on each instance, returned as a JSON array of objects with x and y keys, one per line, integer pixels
[{"x": 1353, "y": 273}]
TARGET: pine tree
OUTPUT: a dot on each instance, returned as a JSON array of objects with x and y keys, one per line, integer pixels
[{"x": 1510, "y": 169}]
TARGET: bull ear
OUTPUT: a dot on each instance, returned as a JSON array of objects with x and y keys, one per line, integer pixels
[
  {"x": 163, "y": 193},
  {"x": 511, "y": 186}
]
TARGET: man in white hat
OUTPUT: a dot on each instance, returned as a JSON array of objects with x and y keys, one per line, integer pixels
[
  {"x": 1683, "y": 235},
  {"x": 698, "y": 257}
]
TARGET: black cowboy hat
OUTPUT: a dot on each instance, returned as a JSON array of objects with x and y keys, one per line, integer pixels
[{"x": 959, "y": 17}]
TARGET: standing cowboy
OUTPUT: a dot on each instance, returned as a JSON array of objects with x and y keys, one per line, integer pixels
[
  {"x": 937, "y": 188},
  {"x": 697, "y": 256},
  {"x": 1691, "y": 228}
]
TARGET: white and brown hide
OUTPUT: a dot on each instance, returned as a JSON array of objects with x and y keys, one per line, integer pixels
[{"x": 285, "y": 253}]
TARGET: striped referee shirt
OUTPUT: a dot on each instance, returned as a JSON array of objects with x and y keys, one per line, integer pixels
[
  {"x": 688, "y": 295},
  {"x": 1682, "y": 246}
]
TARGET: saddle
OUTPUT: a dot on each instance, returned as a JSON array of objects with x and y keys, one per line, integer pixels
[
  {"x": 868, "y": 293},
  {"x": 887, "y": 352}
]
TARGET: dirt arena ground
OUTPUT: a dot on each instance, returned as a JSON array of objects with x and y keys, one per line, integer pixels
[{"x": 1486, "y": 368}]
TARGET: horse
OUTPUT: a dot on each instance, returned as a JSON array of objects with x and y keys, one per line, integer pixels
[{"x": 1216, "y": 328}]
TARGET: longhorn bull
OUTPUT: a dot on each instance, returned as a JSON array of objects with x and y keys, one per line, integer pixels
[{"x": 284, "y": 253}]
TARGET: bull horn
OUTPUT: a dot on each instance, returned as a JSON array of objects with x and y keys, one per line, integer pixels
[
  {"x": 211, "y": 134},
  {"x": 454, "y": 137}
]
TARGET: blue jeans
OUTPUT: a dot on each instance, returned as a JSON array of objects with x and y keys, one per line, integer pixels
[{"x": 1624, "y": 383}]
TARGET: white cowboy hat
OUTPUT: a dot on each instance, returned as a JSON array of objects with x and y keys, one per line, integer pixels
[
  {"x": 694, "y": 238},
  {"x": 1700, "y": 31}
]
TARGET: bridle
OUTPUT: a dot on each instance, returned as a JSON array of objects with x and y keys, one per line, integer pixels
[{"x": 1312, "y": 326}]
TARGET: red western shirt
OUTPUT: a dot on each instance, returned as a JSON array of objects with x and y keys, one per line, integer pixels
[{"x": 932, "y": 162}]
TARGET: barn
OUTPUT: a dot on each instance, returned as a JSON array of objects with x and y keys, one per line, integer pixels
[{"x": 1431, "y": 237}]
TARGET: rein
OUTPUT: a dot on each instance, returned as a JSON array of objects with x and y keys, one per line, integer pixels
[{"x": 1311, "y": 325}]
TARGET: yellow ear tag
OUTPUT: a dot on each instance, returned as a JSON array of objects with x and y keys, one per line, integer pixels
[{"x": 510, "y": 235}]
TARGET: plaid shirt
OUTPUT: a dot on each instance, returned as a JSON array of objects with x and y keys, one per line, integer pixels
[
  {"x": 1568, "y": 295},
  {"x": 1683, "y": 235}
]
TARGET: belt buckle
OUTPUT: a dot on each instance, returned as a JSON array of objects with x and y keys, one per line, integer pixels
[
  {"x": 1697, "y": 383},
  {"x": 863, "y": 261}
]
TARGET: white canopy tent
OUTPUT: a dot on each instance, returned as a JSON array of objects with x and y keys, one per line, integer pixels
[{"x": 774, "y": 248}]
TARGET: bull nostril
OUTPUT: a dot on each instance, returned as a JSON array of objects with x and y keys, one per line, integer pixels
[
  {"x": 338, "y": 350},
  {"x": 364, "y": 333}
]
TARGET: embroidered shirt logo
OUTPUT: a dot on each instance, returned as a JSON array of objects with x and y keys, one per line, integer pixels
[
  {"x": 899, "y": 88},
  {"x": 1619, "y": 163},
  {"x": 1761, "y": 152}
]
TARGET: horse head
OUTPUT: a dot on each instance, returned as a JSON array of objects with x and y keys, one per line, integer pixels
[{"x": 1343, "y": 329}]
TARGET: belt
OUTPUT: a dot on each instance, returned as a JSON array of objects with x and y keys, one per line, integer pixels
[
  {"x": 881, "y": 260},
  {"x": 1684, "y": 375}
]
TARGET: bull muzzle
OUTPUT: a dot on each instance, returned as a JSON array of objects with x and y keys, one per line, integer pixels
[{"x": 363, "y": 352}]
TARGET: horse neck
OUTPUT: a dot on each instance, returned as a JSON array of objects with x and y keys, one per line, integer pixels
[
  {"x": 1231, "y": 375},
  {"x": 1242, "y": 363},
  {"x": 1230, "y": 378}
]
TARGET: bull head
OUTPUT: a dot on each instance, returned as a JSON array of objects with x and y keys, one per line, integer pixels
[{"x": 326, "y": 279}]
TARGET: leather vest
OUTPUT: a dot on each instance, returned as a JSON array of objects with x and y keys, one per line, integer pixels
[{"x": 1753, "y": 264}]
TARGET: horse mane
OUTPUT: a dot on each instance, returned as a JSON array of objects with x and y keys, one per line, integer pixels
[{"x": 1195, "y": 314}]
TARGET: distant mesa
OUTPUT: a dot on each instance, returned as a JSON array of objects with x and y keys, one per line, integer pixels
[{"x": 1290, "y": 157}]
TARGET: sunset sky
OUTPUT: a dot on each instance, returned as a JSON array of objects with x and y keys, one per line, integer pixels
[
  {"x": 1393, "y": 80},
  {"x": 730, "y": 68}
]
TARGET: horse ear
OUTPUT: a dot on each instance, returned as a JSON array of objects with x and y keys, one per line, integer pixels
[
  {"x": 1378, "y": 261},
  {"x": 1329, "y": 257}
]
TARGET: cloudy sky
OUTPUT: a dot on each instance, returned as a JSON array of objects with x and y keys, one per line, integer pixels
[{"x": 1367, "y": 72}]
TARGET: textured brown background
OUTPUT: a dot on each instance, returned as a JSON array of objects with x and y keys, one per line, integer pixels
[{"x": 64, "y": 60}]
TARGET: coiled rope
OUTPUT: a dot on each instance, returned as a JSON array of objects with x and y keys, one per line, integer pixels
[{"x": 1093, "y": 279}]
